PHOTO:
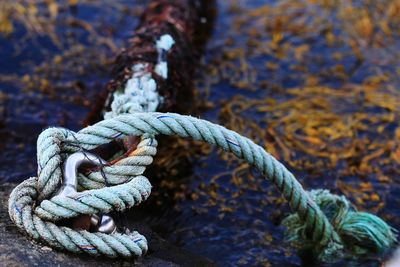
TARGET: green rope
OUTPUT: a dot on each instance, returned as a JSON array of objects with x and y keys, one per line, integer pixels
[{"x": 323, "y": 223}]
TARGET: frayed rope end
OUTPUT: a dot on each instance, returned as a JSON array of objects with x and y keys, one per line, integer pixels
[{"x": 360, "y": 233}]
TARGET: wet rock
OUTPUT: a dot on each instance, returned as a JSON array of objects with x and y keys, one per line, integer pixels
[{"x": 17, "y": 250}]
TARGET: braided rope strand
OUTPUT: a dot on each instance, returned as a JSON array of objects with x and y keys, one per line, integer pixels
[
  {"x": 21, "y": 201},
  {"x": 186, "y": 126},
  {"x": 124, "y": 169}
]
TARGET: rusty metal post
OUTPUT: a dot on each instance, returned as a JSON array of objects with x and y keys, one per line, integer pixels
[{"x": 189, "y": 23}]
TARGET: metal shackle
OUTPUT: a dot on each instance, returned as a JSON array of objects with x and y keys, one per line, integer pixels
[{"x": 102, "y": 223}]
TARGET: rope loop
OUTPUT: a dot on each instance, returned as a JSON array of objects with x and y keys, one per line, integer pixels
[{"x": 35, "y": 206}]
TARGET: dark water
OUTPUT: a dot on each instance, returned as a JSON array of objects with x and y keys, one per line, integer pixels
[{"x": 315, "y": 82}]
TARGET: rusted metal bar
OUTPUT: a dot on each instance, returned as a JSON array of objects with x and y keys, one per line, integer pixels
[{"x": 189, "y": 23}]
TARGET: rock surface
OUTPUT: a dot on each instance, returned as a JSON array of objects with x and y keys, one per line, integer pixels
[{"x": 17, "y": 250}]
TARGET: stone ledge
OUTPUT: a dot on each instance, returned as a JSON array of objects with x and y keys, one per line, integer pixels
[{"x": 17, "y": 250}]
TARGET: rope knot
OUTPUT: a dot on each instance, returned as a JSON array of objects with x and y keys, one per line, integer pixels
[
  {"x": 36, "y": 206},
  {"x": 359, "y": 233}
]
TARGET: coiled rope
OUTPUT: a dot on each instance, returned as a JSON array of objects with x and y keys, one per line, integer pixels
[{"x": 321, "y": 222}]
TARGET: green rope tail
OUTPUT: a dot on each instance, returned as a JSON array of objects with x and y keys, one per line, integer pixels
[{"x": 322, "y": 222}]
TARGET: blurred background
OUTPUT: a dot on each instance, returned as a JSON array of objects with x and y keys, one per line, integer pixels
[{"x": 316, "y": 82}]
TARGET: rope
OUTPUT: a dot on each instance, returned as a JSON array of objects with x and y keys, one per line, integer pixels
[{"x": 322, "y": 222}]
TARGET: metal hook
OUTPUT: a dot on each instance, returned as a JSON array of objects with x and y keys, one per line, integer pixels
[{"x": 102, "y": 223}]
